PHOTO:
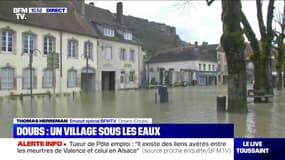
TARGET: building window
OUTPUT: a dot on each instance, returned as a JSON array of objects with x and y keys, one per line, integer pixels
[
  {"x": 213, "y": 67},
  {"x": 108, "y": 53},
  {"x": 72, "y": 48},
  {"x": 49, "y": 43},
  {"x": 123, "y": 54},
  {"x": 200, "y": 68},
  {"x": 27, "y": 79},
  {"x": 88, "y": 50},
  {"x": 7, "y": 38},
  {"x": 7, "y": 79},
  {"x": 48, "y": 78},
  {"x": 132, "y": 55},
  {"x": 71, "y": 79},
  {"x": 209, "y": 67},
  {"x": 29, "y": 43},
  {"x": 204, "y": 67},
  {"x": 109, "y": 32},
  {"x": 132, "y": 76},
  {"x": 128, "y": 36}
]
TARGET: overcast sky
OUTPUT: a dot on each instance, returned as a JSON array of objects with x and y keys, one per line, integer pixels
[{"x": 194, "y": 20}]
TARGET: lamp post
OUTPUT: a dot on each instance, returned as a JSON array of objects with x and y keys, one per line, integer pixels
[
  {"x": 31, "y": 74},
  {"x": 87, "y": 55}
]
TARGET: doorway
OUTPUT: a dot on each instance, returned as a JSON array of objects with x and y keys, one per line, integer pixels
[
  {"x": 88, "y": 80},
  {"x": 108, "y": 80}
]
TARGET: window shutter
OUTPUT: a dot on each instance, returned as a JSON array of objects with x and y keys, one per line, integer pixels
[
  {"x": 76, "y": 49},
  {"x": 53, "y": 80},
  {"x": 15, "y": 82},
  {"x": 77, "y": 81},
  {"x": 35, "y": 82},
  {"x": 67, "y": 82},
  {"x": 43, "y": 85},
  {"x": 23, "y": 81}
]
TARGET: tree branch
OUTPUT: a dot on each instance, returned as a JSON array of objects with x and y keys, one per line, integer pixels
[
  {"x": 209, "y": 2},
  {"x": 250, "y": 34},
  {"x": 270, "y": 19},
  {"x": 262, "y": 29}
]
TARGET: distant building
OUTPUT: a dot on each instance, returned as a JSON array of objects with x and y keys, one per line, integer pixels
[
  {"x": 248, "y": 55},
  {"x": 189, "y": 65},
  {"x": 222, "y": 69}
]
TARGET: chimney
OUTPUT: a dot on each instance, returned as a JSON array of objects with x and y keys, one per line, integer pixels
[
  {"x": 92, "y": 4},
  {"x": 205, "y": 43},
  {"x": 81, "y": 7},
  {"x": 120, "y": 12}
]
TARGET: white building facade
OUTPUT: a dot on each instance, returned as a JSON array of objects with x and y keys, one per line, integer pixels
[
  {"x": 88, "y": 61},
  {"x": 222, "y": 66},
  {"x": 120, "y": 65},
  {"x": 183, "y": 66},
  {"x": 27, "y": 44},
  {"x": 120, "y": 55},
  {"x": 18, "y": 42}
]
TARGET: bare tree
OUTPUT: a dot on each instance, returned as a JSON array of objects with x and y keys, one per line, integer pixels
[
  {"x": 233, "y": 43},
  {"x": 262, "y": 53},
  {"x": 279, "y": 35}
]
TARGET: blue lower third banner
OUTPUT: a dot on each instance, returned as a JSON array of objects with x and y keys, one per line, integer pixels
[
  {"x": 259, "y": 149},
  {"x": 123, "y": 131}
]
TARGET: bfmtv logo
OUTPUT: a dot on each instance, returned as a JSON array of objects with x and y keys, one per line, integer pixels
[{"x": 20, "y": 13}]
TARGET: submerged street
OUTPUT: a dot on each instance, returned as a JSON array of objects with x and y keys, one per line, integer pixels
[{"x": 186, "y": 105}]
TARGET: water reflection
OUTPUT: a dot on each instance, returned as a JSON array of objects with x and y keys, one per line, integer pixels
[{"x": 186, "y": 105}]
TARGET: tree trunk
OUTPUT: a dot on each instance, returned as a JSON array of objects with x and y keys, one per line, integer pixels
[
  {"x": 284, "y": 78},
  {"x": 262, "y": 53},
  {"x": 268, "y": 68},
  {"x": 233, "y": 44},
  {"x": 266, "y": 39},
  {"x": 257, "y": 58},
  {"x": 279, "y": 78},
  {"x": 280, "y": 58}
]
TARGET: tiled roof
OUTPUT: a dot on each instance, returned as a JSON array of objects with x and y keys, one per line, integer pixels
[
  {"x": 99, "y": 17},
  {"x": 71, "y": 21},
  {"x": 202, "y": 53}
]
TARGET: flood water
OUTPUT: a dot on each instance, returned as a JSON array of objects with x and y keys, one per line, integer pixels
[{"x": 186, "y": 105}]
